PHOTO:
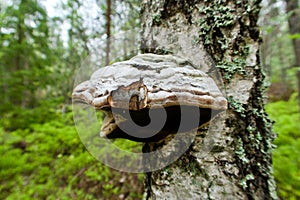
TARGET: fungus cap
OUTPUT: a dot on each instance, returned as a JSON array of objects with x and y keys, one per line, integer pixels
[{"x": 149, "y": 82}]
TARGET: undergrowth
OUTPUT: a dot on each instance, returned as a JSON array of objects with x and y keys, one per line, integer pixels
[
  {"x": 42, "y": 157},
  {"x": 286, "y": 157}
]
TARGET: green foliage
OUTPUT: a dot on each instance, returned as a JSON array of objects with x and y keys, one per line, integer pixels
[
  {"x": 277, "y": 50},
  {"x": 42, "y": 156},
  {"x": 45, "y": 159},
  {"x": 21, "y": 118},
  {"x": 286, "y": 157},
  {"x": 25, "y": 54},
  {"x": 294, "y": 36}
]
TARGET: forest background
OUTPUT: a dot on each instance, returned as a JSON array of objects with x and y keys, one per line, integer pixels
[{"x": 44, "y": 43}]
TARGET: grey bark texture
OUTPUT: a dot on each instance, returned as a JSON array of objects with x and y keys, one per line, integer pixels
[{"x": 222, "y": 38}]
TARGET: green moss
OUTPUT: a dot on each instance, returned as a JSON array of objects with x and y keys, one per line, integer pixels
[
  {"x": 286, "y": 116},
  {"x": 46, "y": 160}
]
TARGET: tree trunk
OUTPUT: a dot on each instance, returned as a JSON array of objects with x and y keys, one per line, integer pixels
[
  {"x": 108, "y": 28},
  {"x": 267, "y": 15},
  {"x": 220, "y": 37},
  {"x": 294, "y": 27},
  {"x": 22, "y": 63},
  {"x": 19, "y": 59}
]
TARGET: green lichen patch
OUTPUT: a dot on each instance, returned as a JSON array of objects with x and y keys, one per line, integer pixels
[
  {"x": 229, "y": 69},
  {"x": 222, "y": 16},
  {"x": 244, "y": 181},
  {"x": 213, "y": 20},
  {"x": 240, "y": 152},
  {"x": 237, "y": 106},
  {"x": 156, "y": 18},
  {"x": 256, "y": 140}
]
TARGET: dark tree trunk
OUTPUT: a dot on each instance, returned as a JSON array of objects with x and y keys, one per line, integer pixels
[
  {"x": 22, "y": 63},
  {"x": 19, "y": 59},
  {"x": 108, "y": 31},
  {"x": 220, "y": 37},
  {"x": 294, "y": 27}
]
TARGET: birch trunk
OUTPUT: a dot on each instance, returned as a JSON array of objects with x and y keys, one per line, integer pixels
[{"x": 221, "y": 38}]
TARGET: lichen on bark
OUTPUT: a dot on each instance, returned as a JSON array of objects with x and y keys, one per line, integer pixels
[{"x": 221, "y": 37}]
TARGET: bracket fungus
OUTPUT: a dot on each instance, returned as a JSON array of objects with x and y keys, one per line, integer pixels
[{"x": 149, "y": 94}]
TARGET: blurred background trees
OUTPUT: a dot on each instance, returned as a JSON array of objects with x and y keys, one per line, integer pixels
[
  {"x": 43, "y": 43},
  {"x": 26, "y": 54},
  {"x": 280, "y": 21},
  {"x": 280, "y": 32}
]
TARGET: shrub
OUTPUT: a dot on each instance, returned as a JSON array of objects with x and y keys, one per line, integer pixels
[
  {"x": 42, "y": 157},
  {"x": 286, "y": 157}
]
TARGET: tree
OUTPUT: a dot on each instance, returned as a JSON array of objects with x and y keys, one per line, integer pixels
[
  {"x": 277, "y": 50},
  {"x": 268, "y": 15},
  {"x": 120, "y": 29},
  {"x": 128, "y": 24},
  {"x": 73, "y": 49},
  {"x": 25, "y": 53},
  {"x": 273, "y": 28},
  {"x": 224, "y": 34},
  {"x": 108, "y": 30},
  {"x": 292, "y": 7}
]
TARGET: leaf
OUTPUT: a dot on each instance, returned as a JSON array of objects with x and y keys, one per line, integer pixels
[{"x": 294, "y": 36}]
